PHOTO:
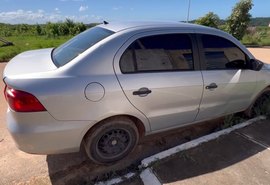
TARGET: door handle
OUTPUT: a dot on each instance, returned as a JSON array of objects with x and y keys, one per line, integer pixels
[
  {"x": 144, "y": 91},
  {"x": 211, "y": 86}
]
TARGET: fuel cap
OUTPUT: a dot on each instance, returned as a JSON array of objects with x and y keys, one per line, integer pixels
[{"x": 94, "y": 92}]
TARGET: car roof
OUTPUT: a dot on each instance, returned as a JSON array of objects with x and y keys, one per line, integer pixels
[
  {"x": 119, "y": 26},
  {"x": 138, "y": 26}
]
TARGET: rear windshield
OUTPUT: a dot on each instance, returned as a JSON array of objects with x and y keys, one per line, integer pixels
[{"x": 78, "y": 44}]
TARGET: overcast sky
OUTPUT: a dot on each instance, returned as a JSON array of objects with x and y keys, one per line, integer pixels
[{"x": 87, "y": 11}]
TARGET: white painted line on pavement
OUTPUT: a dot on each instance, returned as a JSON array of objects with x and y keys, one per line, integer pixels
[
  {"x": 149, "y": 178},
  {"x": 191, "y": 144},
  {"x": 116, "y": 180},
  {"x": 254, "y": 140}
]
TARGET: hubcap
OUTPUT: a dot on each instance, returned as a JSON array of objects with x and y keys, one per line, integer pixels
[{"x": 113, "y": 143}]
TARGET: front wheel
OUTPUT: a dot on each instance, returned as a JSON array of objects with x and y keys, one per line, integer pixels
[
  {"x": 112, "y": 140},
  {"x": 261, "y": 106}
]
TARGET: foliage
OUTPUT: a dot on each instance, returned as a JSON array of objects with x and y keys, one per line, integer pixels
[
  {"x": 254, "y": 22},
  {"x": 210, "y": 19},
  {"x": 231, "y": 120},
  {"x": 28, "y": 37},
  {"x": 67, "y": 28},
  {"x": 238, "y": 21},
  {"x": 258, "y": 36}
]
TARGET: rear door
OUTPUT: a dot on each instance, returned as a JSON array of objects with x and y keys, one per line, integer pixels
[
  {"x": 228, "y": 82},
  {"x": 159, "y": 75}
]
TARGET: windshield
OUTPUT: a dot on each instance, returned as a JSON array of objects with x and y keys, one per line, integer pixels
[{"x": 78, "y": 44}]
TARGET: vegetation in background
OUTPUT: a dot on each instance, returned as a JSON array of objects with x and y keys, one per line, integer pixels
[
  {"x": 251, "y": 31},
  {"x": 67, "y": 28},
  {"x": 27, "y": 37},
  {"x": 260, "y": 21},
  {"x": 210, "y": 19},
  {"x": 259, "y": 36},
  {"x": 236, "y": 24},
  {"x": 238, "y": 21}
]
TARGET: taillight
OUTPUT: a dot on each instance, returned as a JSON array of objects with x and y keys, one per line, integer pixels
[{"x": 21, "y": 101}]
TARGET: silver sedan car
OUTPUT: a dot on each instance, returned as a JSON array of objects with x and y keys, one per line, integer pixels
[{"x": 116, "y": 82}]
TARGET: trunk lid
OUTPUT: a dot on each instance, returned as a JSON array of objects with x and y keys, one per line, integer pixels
[{"x": 28, "y": 62}]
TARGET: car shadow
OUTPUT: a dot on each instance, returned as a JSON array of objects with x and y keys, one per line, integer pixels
[
  {"x": 77, "y": 169},
  {"x": 220, "y": 154}
]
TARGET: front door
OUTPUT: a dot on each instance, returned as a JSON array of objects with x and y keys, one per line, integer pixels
[{"x": 228, "y": 83}]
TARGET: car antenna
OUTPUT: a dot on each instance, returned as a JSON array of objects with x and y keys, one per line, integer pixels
[{"x": 105, "y": 22}]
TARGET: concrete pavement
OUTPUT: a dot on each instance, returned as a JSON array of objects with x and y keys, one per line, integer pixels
[{"x": 241, "y": 157}]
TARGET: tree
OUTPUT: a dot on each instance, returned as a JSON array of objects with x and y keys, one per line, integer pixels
[
  {"x": 51, "y": 29},
  {"x": 38, "y": 29},
  {"x": 210, "y": 19},
  {"x": 63, "y": 29},
  {"x": 237, "y": 23}
]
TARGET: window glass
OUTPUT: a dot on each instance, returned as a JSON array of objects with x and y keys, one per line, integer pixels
[
  {"x": 78, "y": 44},
  {"x": 221, "y": 53},
  {"x": 158, "y": 53}
]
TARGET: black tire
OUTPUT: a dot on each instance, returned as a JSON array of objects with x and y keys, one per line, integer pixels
[
  {"x": 112, "y": 140},
  {"x": 261, "y": 105}
]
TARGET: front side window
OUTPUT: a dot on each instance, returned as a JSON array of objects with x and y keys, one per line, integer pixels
[
  {"x": 78, "y": 44},
  {"x": 220, "y": 53},
  {"x": 158, "y": 53}
]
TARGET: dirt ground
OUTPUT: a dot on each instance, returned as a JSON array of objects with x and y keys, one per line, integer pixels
[
  {"x": 20, "y": 168},
  {"x": 262, "y": 54}
]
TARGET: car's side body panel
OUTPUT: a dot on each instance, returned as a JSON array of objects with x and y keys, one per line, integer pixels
[
  {"x": 233, "y": 94},
  {"x": 174, "y": 99}
]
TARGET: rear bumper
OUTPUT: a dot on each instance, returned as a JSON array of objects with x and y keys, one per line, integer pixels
[{"x": 40, "y": 133}]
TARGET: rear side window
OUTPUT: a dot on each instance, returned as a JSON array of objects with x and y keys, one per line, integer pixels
[
  {"x": 78, "y": 44},
  {"x": 221, "y": 53},
  {"x": 158, "y": 53}
]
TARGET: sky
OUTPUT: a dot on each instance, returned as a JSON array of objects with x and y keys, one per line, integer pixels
[{"x": 90, "y": 11}]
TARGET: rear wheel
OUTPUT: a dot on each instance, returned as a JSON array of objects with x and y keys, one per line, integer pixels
[{"x": 112, "y": 140}]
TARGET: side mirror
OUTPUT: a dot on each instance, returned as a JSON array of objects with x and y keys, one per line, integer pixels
[{"x": 255, "y": 65}]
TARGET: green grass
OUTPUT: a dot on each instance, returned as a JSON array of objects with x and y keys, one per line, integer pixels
[
  {"x": 265, "y": 41},
  {"x": 258, "y": 37},
  {"x": 253, "y": 40},
  {"x": 24, "y": 43}
]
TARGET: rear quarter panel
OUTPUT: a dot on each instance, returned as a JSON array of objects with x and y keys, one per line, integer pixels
[{"x": 62, "y": 91}]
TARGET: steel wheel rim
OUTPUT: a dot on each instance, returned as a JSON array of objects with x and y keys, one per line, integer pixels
[{"x": 113, "y": 143}]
